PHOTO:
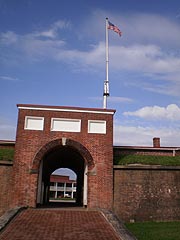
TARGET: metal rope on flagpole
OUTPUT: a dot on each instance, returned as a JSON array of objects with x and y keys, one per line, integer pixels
[{"x": 106, "y": 82}]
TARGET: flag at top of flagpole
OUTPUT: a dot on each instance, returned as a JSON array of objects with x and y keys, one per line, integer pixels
[{"x": 111, "y": 26}]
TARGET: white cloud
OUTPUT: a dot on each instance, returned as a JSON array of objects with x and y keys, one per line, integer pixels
[
  {"x": 151, "y": 28},
  {"x": 48, "y": 33},
  {"x": 52, "y": 31},
  {"x": 143, "y": 136},
  {"x": 8, "y": 38},
  {"x": 136, "y": 58},
  {"x": 112, "y": 99},
  {"x": 38, "y": 49},
  {"x": 145, "y": 59},
  {"x": 31, "y": 47},
  {"x": 35, "y": 45},
  {"x": 120, "y": 99},
  {"x": 171, "y": 112},
  {"x": 90, "y": 58},
  {"x": 8, "y": 78}
]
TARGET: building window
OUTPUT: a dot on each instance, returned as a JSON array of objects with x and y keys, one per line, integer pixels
[
  {"x": 34, "y": 123},
  {"x": 97, "y": 126},
  {"x": 65, "y": 125}
]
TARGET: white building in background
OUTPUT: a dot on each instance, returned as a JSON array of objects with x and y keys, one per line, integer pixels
[{"x": 62, "y": 187}]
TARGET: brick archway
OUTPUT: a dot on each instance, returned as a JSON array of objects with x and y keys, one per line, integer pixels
[
  {"x": 84, "y": 134},
  {"x": 62, "y": 142},
  {"x": 48, "y": 159}
]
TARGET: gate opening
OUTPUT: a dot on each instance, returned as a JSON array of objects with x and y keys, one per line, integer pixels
[
  {"x": 58, "y": 158},
  {"x": 63, "y": 186}
]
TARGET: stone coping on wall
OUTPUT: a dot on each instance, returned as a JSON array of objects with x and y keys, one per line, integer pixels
[
  {"x": 65, "y": 108},
  {"x": 6, "y": 162},
  {"x": 8, "y": 216},
  {"x": 118, "y": 225},
  {"x": 7, "y": 142},
  {"x": 145, "y": 167}
]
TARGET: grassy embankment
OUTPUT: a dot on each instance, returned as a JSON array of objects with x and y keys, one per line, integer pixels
[
  {"x": 155, "y": 230},
  {"x": 6, "y": 154},
  {"x": 147, "y": 160}
]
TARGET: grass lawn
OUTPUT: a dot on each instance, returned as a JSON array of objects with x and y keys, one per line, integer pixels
[
  {"x": 146, "y": 159},
  {"x": 155, "y": 230},
  {"x": 6, "y": 154}
]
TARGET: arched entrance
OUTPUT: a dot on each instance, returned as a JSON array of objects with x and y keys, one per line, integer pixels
[
  {"x": 49, "y": 137},
  {"x": 63, "y": 154}
]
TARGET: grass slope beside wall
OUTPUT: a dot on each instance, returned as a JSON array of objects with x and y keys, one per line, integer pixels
[
  {"x": 146, "y": 159},
  {"x": 155, "y": 230},
  {"x": 6, "y": 154}
]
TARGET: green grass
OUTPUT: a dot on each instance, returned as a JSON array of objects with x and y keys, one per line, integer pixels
[
  {"x": 146, "y": 159},
  {"x": 6, "y": 154},
  {"x": 63, "y": 198},
  {"x": 155, "y": 230}
]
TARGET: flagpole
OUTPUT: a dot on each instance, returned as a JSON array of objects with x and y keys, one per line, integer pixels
[{"x": 106, "y": 82}]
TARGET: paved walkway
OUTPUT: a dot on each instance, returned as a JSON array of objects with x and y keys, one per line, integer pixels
[{"x": 54, "y": 224}]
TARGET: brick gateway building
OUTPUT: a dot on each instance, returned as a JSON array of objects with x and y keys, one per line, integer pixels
[{"x": 49, "y": 138}]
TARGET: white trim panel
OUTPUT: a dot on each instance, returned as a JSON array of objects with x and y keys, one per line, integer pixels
[
  {"x": 97, "y": 126},
  {"x": 34, "y": 123},
  {"x": 65, "y": 125},
  {"x": 66, "y": 110}
]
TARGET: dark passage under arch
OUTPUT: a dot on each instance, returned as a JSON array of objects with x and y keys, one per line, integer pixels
[{"x": 60, "y": 157}]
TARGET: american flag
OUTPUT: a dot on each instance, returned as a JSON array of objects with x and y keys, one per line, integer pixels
[{"x": 114, "y": 28}]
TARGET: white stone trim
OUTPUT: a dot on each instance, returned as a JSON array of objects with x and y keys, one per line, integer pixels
[
  {"x": 97, "y": 126},
  {"x": 34, "y": 123},
  {"x": 66, "y": 110},
  {"x": 65, "y": 125}
]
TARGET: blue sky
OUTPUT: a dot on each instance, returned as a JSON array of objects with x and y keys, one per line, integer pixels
[{"x": 53, "y": 52}]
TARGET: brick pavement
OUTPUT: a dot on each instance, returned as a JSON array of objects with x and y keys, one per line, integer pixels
[{"x": 54, "y": 224}]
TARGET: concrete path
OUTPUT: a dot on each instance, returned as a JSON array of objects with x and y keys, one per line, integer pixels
[{"x": 55, "y": 224}]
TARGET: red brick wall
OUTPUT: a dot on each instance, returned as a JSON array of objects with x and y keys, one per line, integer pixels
[
  {"x": 147, "y": 194},
  {"x": 5, "y": 186},
  {"x": 100, "y": 146},
  {"x": 118, "y": 151}
]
